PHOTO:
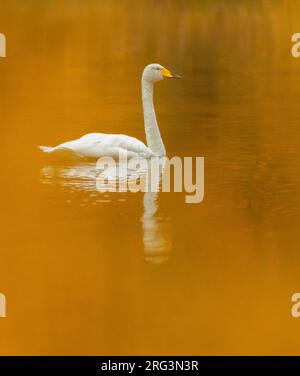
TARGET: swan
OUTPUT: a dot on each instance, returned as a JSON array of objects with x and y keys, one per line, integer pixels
[{"x": 96, "y": 145}]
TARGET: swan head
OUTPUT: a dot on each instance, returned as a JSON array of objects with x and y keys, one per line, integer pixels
[{"x": 156, "y": 72}]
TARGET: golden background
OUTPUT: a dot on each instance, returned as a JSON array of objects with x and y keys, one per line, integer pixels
[{"x": 74, "y": 265}]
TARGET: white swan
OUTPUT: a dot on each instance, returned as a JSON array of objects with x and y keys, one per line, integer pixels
[{"x": 95, "y": 145}]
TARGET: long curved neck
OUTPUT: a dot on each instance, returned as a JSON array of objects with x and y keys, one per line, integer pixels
[{"x": 154, "y": 140}]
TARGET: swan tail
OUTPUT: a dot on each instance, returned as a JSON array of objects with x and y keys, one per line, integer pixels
[{"x": 46, "y": 149}]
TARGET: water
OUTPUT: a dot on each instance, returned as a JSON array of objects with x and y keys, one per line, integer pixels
[{"x": 92, "y": 273}]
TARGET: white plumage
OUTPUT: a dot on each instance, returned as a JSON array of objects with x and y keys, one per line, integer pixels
[{"x": 95, "y": 145}]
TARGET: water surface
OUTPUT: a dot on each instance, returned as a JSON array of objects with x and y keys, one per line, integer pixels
[{"x": 89, "y": 273}]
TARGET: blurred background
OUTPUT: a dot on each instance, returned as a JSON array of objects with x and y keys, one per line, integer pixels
[{"x": 88, "y": 273}]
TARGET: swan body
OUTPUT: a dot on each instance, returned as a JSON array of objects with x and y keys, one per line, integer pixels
[{"x": 96, "y": 145}]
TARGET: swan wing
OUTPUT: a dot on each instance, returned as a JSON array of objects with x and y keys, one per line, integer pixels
[{"x": 96, "y": 145}]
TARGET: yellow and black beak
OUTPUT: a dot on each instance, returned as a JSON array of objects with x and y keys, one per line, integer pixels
[{"x": 167, "y": 74}]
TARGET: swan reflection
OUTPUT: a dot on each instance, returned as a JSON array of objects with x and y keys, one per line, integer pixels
[{"x": 114, "y": 177}]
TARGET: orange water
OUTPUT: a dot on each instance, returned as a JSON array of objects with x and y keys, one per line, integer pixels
[{"x": 77, "y": 266}]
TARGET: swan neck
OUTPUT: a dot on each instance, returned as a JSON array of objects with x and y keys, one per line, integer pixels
[{"x": 154, "y": 140}]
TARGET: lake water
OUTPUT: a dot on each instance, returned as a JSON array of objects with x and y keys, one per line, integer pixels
[{"x": 93, "y": 273}]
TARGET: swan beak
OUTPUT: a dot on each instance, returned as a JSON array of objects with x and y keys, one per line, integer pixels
[{"x": 167, "y": 74}]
